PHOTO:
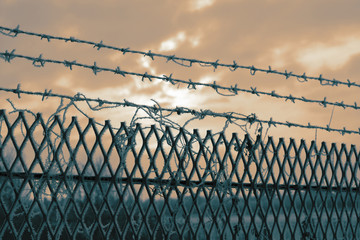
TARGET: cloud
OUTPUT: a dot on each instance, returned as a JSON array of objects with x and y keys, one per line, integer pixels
[
  {"x": 195, "y": 41},
  {"x": 172, "y": 43},
  {"x": 181, "y": 97},
  {"x": 64, "y": 81},
  {"x": 146, "y": 63},
  {"x": 10, "y": 2},
  {"x": 200, "y": 4},
  {"x": 279, "y": 56},
  {"x": 333, "y": 57},
  {"x": 209, "y": 78},
  {"x": 111, "y": 93}
]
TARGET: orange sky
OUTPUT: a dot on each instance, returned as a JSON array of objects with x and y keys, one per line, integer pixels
[{"x": 316, "y": 37}]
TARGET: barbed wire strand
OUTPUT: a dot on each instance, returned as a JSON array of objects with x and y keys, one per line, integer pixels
[
  {"x": 13, "y": 32},
  {"x": 40, "y": 62},
  {"x": 230, "y": 116}
]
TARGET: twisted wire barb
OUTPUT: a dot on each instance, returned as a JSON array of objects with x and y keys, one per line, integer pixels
[
  {"x": 13, "y": 32},
  {"x": 40, "y": 62},
  {"x": 229, "y": 116}
]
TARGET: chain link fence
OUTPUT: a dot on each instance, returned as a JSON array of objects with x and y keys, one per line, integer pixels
[{"x": 62, "y": 181}]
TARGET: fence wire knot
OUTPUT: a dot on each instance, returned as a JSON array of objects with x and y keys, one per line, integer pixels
[
  {"x": 71, "y": 39},
  {"x": 324, "y": 102},
  {"x": 229, "y": 117},
  {"x": 214, "y": 85},
  {"x": 215, "y": 64},
  {"x": 95, "y": 68},
  {"x": 101, "y": 102},
  {"x": 203, "y": 113},
  {"x": 45, "y": 36},
  {"x": 69, "y": 64},
  {"x": 291, "y": 98},
  {"x": 303, "y": 77},
  {"x": 287, "y": 75},
  {"x": 169, "y": 79},
  {"x": 126, "y": 103},
  {"x": 170, "y": 58},
  {"x": 155, "y": 109},
  {"x": 234, "y": 66},
  {"x": 149, "y": 54},
  {"x": 234, "y": 89},
  {"x": 253, "y": 91},
  {"x": 11, "y": 32},
  {"x": 18, "y": 91},
  {"x": 146, "y": 75},
  {"x": 253, "y": 70},
  {"x": 289, "y": 124},
  {"x": 99, "y": 45},
  {"x": 125, "y": 50},
  {"x": 343, "y": 131},
  {"x": 179, "y": 110},
  {"x": 251, "y": 118},
  {"x": 191, "y": 85},
  {"x": 46, "y": 94},
  {"x": 8, "y": 56},
  {"x": 77, "y": 96},
  {"x": 350, "y": 83},
  {"x": 341, "y": 104},
  {"x": 271, "y": 122},
  {"x": 118, "y": 71},
  {"x": 39, "y": 62}
]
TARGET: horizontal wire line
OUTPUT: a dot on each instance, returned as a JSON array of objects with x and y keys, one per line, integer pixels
[
  {"x": 171, "y": 182},
  {"x": 40, "y": 62},
  {"x": 13, "y": 32},
  {"x": 179, "y": 110}
]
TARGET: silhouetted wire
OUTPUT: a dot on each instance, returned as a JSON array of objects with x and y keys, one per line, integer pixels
[
  {"x": 40, "y": 62},
  {"x": 230, "y": 116},
  {"x": 13, "y": 32}
]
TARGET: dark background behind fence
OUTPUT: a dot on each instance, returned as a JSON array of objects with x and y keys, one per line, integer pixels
[{"x": 62, "y": 180}]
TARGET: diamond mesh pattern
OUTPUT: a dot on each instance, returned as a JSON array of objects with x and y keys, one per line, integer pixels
[{"x": 65, "y": 182}]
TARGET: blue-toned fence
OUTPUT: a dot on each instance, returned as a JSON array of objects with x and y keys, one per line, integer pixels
[{"x": 62, "y": 181}]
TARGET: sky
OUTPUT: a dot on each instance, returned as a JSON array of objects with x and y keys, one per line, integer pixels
[{"x": 315, "y": 37}]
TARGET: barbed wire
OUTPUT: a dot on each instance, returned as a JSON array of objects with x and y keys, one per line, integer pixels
[
  {"x": 233, "y": 90},
  {"x": 229, "y": 116},
  {"x": 13, "y": 32}
]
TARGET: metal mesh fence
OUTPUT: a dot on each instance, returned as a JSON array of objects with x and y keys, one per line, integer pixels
[{"x": 59, "y": 181}]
